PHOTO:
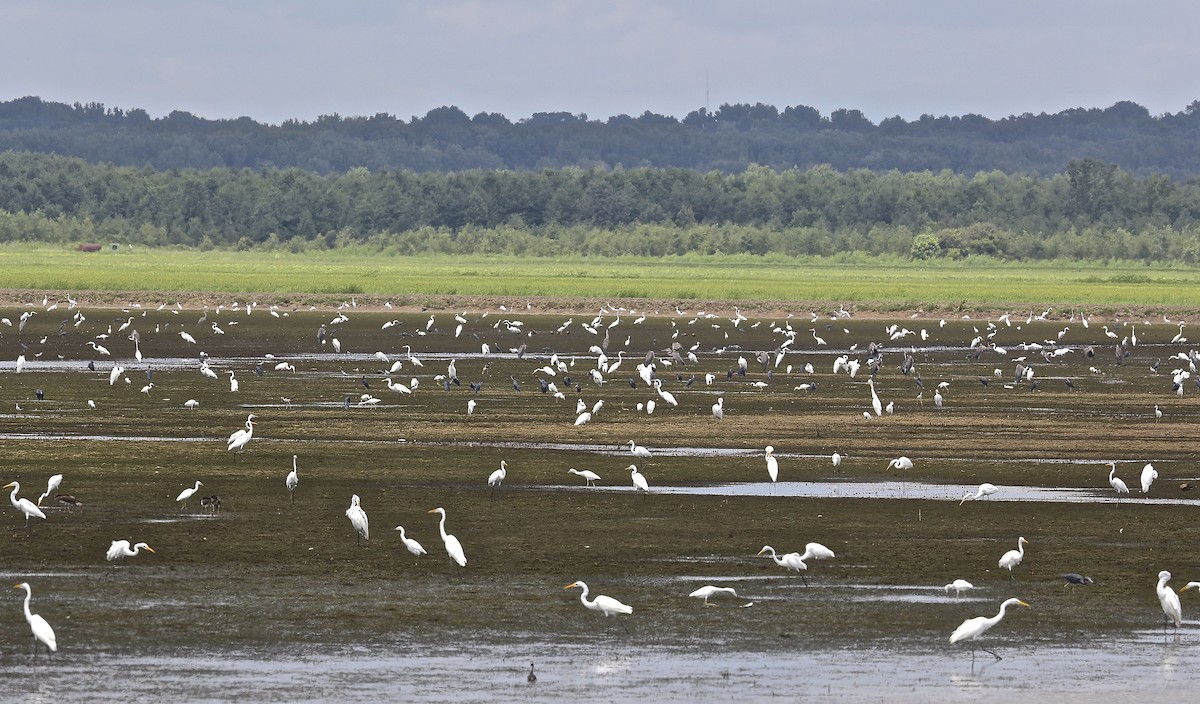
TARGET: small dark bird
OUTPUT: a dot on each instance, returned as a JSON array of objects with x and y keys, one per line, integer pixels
[
  {"x": 40, "y": 393},
  {"x": 68, "y": 501},
  {"x": 632, "y": 383},
  {"x": 476, "y": 386},
  {"x": 1073, "y": 578},
  {"x": 258, "y": 369},
  {"x": 1070, "y": 384},
  {"x": 983, "y": 380},
  {"x": 91, "y": 366},
  {"x": 531, "y": 678},
  {"x": 515, "y": 384},
  {"x": 321, "y": 335},
  {"x": 1035, "y": 386}
]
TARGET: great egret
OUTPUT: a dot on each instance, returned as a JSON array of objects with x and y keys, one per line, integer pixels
[
  {"x": 496, "y": 478},
  {"x": 121, "y": 548},
  {"x": 233, "y": 382},
  {"x": 604, "y": 604},
  {"x": 1169, "y": 599},
  {"x": 901, "y": 463},
  {"x": 972, "y": 628},
  {"x": 875, "y": 402},
  {"x": 187, "y": 494},
  {"x": 358, "y": 519},
  {"x": 1190, "y": 585},
  {"x": 589, "y": 477},
  {"x": 709, "y": 590},
  {"x": 816, "y": 551},
  {"x": 790, "y": 561},
  {"x": 453, "y": 548},
  {"x": 293, "y": 479},
  {"x": 51, "y": 487},
  {"x": 959, "y": 586},
  {"x": 985, "y": 490},
  {"x": 240, "y": 438},
  {"x": 639, "y": 481},
  {"x": 23, "y": 505},
  {"x": 836, "y": 458},
  {"x": 412, "y": 545},
  {"x": 1012, "y": 558},
  {"x": 772, "y": 465},
  {"x": 1117, "y": 485},
  {"x": 718, "y": 409},
  {"x": 100, "y": 349},
  {"x": 637, "y": 450},
  {"x": 1149, "y": 474},
  {"x": 41, "y": 629}
]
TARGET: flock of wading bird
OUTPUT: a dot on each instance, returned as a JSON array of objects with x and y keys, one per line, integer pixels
[{"x": 608, "y": 361}]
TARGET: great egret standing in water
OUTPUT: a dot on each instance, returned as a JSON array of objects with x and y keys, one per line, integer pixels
[
  {"x": 959, "y": 586},
  {"x": 121, "y": 548},
  {"x": 1169, "y": 600},
  {"x": 1012, "y": 558},
  {"x": 241, "y": 437},
  {"x": 1117, "y": 485},
  {"x": 709, "y": 590},
  {"x": 187, "y": 494},
  {"x": 453, "y": 548},
  {"x": 972, "y": 628},
  {"x": 496, "y": 478},
  {"x": 41, "y": 629},
  {"x": 51, "y": 487},
  {"x": 639, "y": 481},
  {"x": 410, "y": 544},
  {"x": 292, "y": 481},
  {"x": 589, "y": 477},
  {"x": 604, "y": 604},
  {"x": 23, "y": 505},
  {"x": 772, "y": 466},
  {"x": 790, "y": 561},
  {"x": 358, "y": 519},
  {"x": 985, "y": 490},
  {"x": 1149, "y": 474}
]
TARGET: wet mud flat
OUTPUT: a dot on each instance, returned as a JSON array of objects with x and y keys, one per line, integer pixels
[{"x": 279, "y": 599}]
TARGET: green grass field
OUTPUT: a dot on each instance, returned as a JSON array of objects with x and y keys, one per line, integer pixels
[{"x": 883, "y": 284}]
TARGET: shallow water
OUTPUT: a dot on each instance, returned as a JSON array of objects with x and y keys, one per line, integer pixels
[{"x": 1125, "y": 668}]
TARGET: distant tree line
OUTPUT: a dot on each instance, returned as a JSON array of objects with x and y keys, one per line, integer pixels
[
  {"x": 730, "y": 139},
  {"x": 1092, "y": 210}
]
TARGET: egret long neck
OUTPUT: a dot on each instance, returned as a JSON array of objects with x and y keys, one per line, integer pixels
[{"x": 28, "y": 596}]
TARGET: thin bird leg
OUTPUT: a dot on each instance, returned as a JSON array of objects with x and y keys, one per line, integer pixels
[{"x": 991, "y": 653}]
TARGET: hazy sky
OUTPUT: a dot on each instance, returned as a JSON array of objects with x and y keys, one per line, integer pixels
[{"x": 273, "y": 59}]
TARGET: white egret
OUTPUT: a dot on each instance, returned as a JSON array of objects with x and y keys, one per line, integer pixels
[
  {"x": 51, "y": 487},
  {"x": 187, "y": 338},
  {"x": 1190, "y": 585},
  {"x": 985, "y": 490},
  {"x": 453, "y": 548},
  {"x": 589, "y": 477},
  {"x": 1149, "y": 474},
  {"x": 604, "y": 604},
  {"x": 637, "y": 450},
  {"x": 972, "y": 628},
  {"x": 293, "y": 479},
  {"x": 41, "y": 629},
  {"x": 496, "y": 478},
  {"x": 114, "y": 374},
  {"x": 233, "y": 382},
  {"x": 718, "y": 408},
  {"x": 790, "y": 561},
  {"x": 187, "y": 494},
  {"x": 240, "y": 438},
  {"x": 1116, "y": 483},
  {"x": 1169, "y": 600},
  {"x": 836, "y": 458},
  {"x": 709, "y": 590},
  {"x": 1157, "y": 413},
  {"x": 772, "y": 465},
  {"x": 358, "y": 519},
  {"x": 664, "y": 395},
  {"x": 875, "y": 403},
  {"x": 23, "y": 505},
  {"x": 901, "y": 463},
  {"x": 412, "y": 545},
  {"x": 959, "y": 586},
  {"x": 471, "y": 407},
  {"x": 100, "y": 349},
  {"x": 639, "y": 481},
  {"x": 191, "y": 403},
  {"x": 121, "y": 548},
  {"x": 1012, "y": 558},
  {"x": 816, "y": 551}
]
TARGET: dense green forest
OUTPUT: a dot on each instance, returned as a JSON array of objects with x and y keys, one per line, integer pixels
[
  {"x": 729, "y": 139},
  {"x": 1081, "y": 184},
  {"x": 1092, "y": 210}
]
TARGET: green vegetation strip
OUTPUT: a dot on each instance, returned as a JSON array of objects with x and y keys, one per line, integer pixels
[{"x": 886, "y": 283}]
